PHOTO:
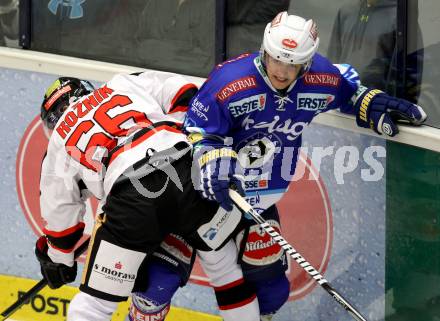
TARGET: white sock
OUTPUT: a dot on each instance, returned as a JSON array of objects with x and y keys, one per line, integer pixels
[
  {"x": 222, "y": 269},
  {"x": 85, "y": 307}
]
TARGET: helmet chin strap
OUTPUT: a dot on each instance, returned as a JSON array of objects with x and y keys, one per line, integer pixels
[{"x": 304, "y": 69}]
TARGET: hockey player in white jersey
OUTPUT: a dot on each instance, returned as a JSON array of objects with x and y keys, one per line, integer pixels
[{"x": 122, "y": 143}]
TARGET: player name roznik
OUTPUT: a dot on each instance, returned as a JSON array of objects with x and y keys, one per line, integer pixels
[{"x": 70, "y": 119}]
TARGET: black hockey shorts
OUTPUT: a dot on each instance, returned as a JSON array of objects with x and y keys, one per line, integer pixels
[{"x": 133, "y": 226}]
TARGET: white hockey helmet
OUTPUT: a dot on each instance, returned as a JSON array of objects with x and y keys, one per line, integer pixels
[{"x": 290, "y": 39}]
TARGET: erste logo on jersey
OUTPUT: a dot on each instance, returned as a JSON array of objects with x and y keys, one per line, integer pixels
[
  {"x": 323, "y": 79},
  {"x": 247, "y": 105},
  {"x": 314, "y": 102},
  {"x": 235, "y": 87}
]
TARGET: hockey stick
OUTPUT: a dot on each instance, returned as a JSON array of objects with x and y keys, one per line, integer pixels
[
  {"x": 247, "y": 209},
  {"x": 37, "y": 287}
]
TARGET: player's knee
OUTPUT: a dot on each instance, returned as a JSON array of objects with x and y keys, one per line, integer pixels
[
  {"x": 154, "y": 302},
  {"x": 85, "y": 307},
  {"x": 221, "y": 266},
  {"x": 272, "y": 294}
]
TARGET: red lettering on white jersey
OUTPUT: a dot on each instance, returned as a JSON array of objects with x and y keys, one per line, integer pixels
[{"x": 131, "y": 112}]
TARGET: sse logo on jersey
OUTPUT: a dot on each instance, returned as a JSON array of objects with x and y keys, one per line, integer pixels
[
  {"x": 314, "y": 102},
  {"x": 247, "y": 105},
  {"x": 255, "y": 184}
]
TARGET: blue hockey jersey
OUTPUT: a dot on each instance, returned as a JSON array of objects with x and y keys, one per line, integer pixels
[{"x": 238, "y": 104}]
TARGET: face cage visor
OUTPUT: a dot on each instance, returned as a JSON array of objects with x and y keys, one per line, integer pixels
[
  {"x": 51, "y": 117},
  {"x": 55, "y": 113}
]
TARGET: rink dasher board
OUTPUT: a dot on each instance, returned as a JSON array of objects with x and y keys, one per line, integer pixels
[{"x": 51, "y": 305}]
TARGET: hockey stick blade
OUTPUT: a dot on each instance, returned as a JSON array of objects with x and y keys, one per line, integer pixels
[
  {"x": 244, "y": 206},
  {"x": 37, "y": 287}
]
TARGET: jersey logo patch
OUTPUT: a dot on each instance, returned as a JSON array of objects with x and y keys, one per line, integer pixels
[
  {"x": 260, "y": 248},
  {"x": 256, "y": 184},
  {"x": 323, "y": 79},
  {"x": 199, "y": 109},
  {"x": 289, "y": 44},
  {"x": 115, "y": 269},
  {"x": 283, "y": 126},
  {"x": 247, "y": 105},
  {"x": 314, "y": 102},
  {"x": 235, "y": 87}
]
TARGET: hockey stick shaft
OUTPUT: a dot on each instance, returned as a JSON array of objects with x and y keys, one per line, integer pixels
[
  {"x": 290, "y": 250},
  {"x": 37, "y": 287}
]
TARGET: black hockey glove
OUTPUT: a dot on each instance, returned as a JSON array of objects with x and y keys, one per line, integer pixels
[
  {"x": 380, "y": 111},
  {"x": 56, "y": 274}
]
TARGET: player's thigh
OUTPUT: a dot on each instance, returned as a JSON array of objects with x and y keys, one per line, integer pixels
[
  {"x": 111, "y": 267},
  {"x": 133, "y": 215},
  {"x": 203, "y": 223}
]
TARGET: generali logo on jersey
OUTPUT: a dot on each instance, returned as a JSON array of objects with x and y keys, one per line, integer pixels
[
  {"x": 236, "y": 86},
  {"x": 323, "y": 79},
  {"x": 314, "y": 101}
]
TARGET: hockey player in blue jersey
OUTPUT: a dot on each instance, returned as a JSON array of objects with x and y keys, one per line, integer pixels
[{"x": 246, "y": 124}]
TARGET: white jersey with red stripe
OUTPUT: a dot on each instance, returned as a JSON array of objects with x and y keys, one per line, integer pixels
[{"x": 103, "y": 134}]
